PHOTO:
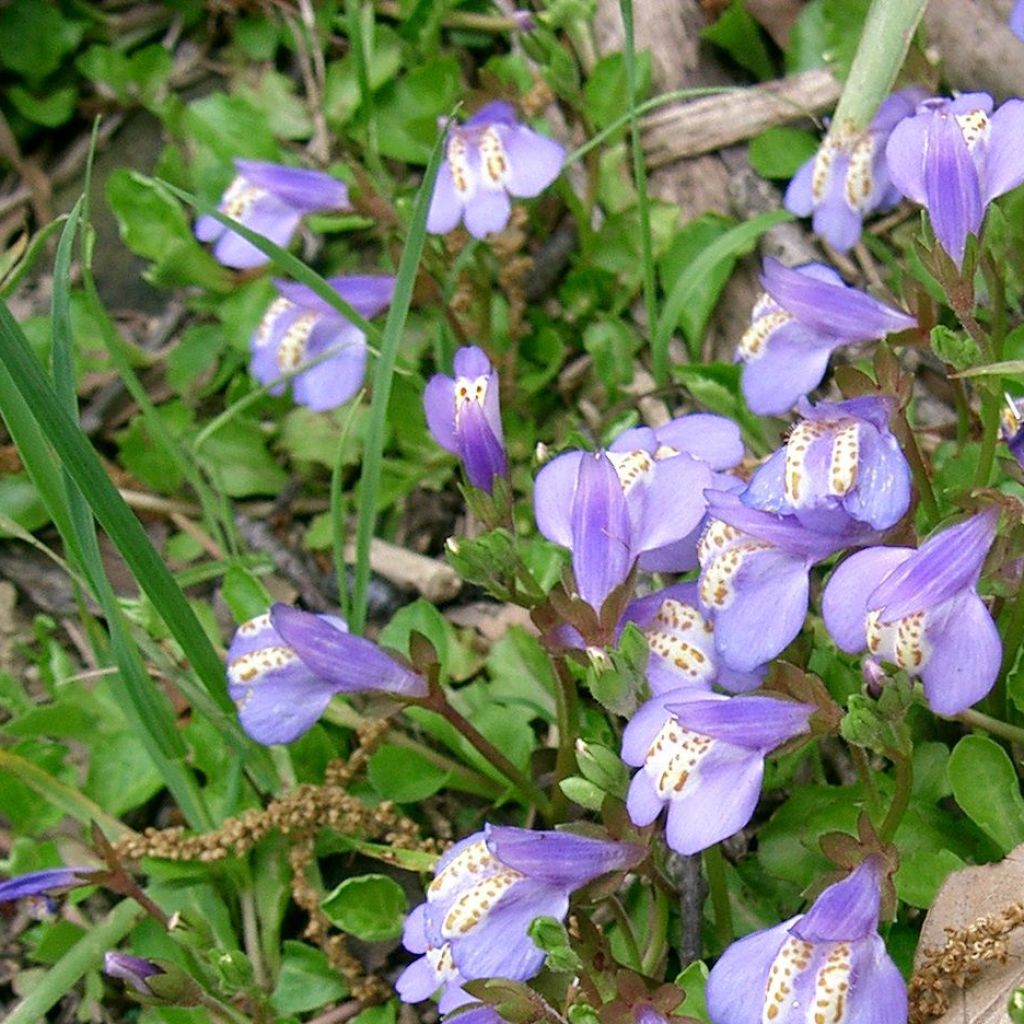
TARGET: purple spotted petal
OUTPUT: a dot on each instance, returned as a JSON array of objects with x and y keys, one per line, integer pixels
[
  {"x": 767, "y": 610},
  {"x": 46, "y": 881},
  {"x": 500, "y": 945},
  {"x": 767, "y": 488},
  {"x": 717, "y": 800},
  {"x": 1004, "y": 161},
  {"x": 947, "y": 563},
  {"x": 965, "y": 655},
  {"x": 845, "y": 601},
  {"x": 736, "y": 985},
  {"x": 756, "y": 723},
  {"x": 560, "y": 859},
  {"x": 534, "y": 161},
  {"x": 881, "y": 991},
  {"x": 881, "y": 496},
  {"x": 267, "y": 216},
  {"x": 677, "y": 483},
  {"x": 335, "y": 380},
  {"x": 645, "y": 724},
  {"x": 847, "y": 910},
  {"x": 347, "y": 662},
  {"x": 833, "y": 218},
  {"x": 836, "y": 310},
  {"x": 712, "y": 439},
  {"x": 952, "y": 187},
  {"x": 302, "y": 189},
  {"x": 792, "y": 364}
]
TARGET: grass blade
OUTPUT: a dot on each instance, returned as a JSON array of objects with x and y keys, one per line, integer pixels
[{"x": 373, "y": 450}]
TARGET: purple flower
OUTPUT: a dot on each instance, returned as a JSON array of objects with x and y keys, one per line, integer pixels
[
  {"x": 754, "y": 576},
  {"x": 702, "y": 754},
  {"x": 464, "y": 417},
  {"x": 682, "y": 643},
  {"x": 830, "y": 960},
  {"x": 271, "y": 200},
  {"x": 840, "y": 457},
  {"x": 1017, "y": 19},
  {"x": 804, "y": 313},
  {"x": 284, "y": 667},
  {"x": 920, "y": 610},
  {"x": 488, "y": 159},
  {"x": 487, "y": 890},
  {"x": 611, "y": 507},
  {"x": 1012, "y": 425},
  {"x": 133, "y": 969},
  {"x": 954, "y": 157},
  {"x": 299, "y": 326},
  {"x": 47, "y": 882},
  {"x": 713, "y": 440},
  {"x": 848, "y": 179}
]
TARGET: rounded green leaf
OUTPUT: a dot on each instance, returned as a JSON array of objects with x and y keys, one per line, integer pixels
[
  {"x": 370, "y": 907},
  {"x": 987, "y": 789}
]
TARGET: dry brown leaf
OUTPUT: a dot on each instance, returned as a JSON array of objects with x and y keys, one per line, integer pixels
[{"x": 975, "y": 893}]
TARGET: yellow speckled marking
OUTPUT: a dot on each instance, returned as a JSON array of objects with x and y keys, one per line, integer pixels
[
  {"x": 493, "y": 158},
  {"x": 975, "y": 127},
  {"x": 860, "y": 179},
  {"x": 632, "y": 467},
  {"x": 472, "y": 863},
  {"x": 470, "y": 910},
  {"x": 756, "y": 336},
  {"x": 843, "y": 465},
  {"x": 673, "y": 756},
  {"x": 274, "y": 312},
  {"x": 291, "y": 351},
  {"x": 804, "y": 434},
  {"x": 792, "y": 960}
]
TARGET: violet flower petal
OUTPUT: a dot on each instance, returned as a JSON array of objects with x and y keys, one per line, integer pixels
[
  {"x": 601, "y": 530},
  {"x": 792, "y": 363},
  {"x": 446, "y": 205},
  {"x": 845, "y": 601},
  {"x": 487, "y": 211},
  {"x": 534, "y": 161},
  {"x": 945, "y": 564},
  {"x": 835, "y": 221},
  {"x": 717, "y": 800},
  {"x": 554, "y": 497},
  {"x": 642, "y": 801},
  {"x": 1017, "y": 19},
  {"x": 881, "y": 496},
  {"x": 334, "y": 381},
  {"x": 305, "y": 190},
  {"x": 741, "y": 974},
  {"x": 757, "y": 723},
  {"x": 268, "y": 217},
  {"x": 846, "y": 910},
  {"x": 952, "y": 186},
  {"x": 1004, "y": 160},
  {"x": 560, "y": 859},
  {"x": 482, "y": 454},
  {"x": 965, "y": 656},
  {"x": 439, "y": 406},
  {"x": 350, "y": 663},
  {"x": 905, "y": 158},
  {"x": 836, "y": 310},
  {"x": 46, "y": 881},
  {"x": 712, "y": 439}
]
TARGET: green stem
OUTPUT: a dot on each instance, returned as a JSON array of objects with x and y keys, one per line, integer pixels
[
  {"x": 860, "y": 761},
  {"x": 901, "y": 798},
  {"x": 990, "y": 408},
  {"x": 660, "y": 356},
  {"x": 567, "y": 718},
  {"x": 221, "y": 1010},
  {"x": 979, "y": 720},
  {"x": 922, "y": 481},
  {"x": 338, "y": 507},
  {"x": 528, "y": 790},
  {"x": 1013, "y": 631},
  {"x": 714, "y": 869},
  {"x": 657, "y": 933},
  {"x": 888, "y": 30},
  {"x": 628, "y": 935}
]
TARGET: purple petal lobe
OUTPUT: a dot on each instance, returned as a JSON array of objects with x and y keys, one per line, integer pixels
[
  {"x": 439, "y": 406},
  {"x": 46, "y": 881},
  {"x": 348, "y": 662},
  {"x": 309, "y": 191},
  {"x": 952, "y": 186},
  {"x": 757, "y": 723},
  {"x": 487, "y": 211},
  {"x": 1004, "y": 163},
  {"x": 554, "y": 497},
  {"x": 712, "y": 439},
  {"x": 847, "y": 910},
  {"x": 560, "y": 858},
  {"x": 945, "y": 564},
  {"x": 738, "y": 981},
  {"x": 534, "y": 161},
  {"x": 845, "y": 601}
]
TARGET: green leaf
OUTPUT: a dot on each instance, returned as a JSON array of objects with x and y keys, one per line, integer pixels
[
  {"x": 404, "y": 775},
  {"x": 740, "y": 36},
  {"x": 153, "y": 225},
  {"x": 50, "y": 110},
  {"x": 781, "y": 152},
  {"x": 583, "y": 792},
  {"x": 550, "y": 935},
  {"x": 606, "y": 87},
  {"x": 286, "y": 115},
  {"x": 306, "y": 981},
  {"x": 34, "y": 38},
  {"x": 238, "y": 462},
  {"x": 121, "y": 774},
  {"x": 19, "y": 502},
  {"x": 954, "y": 347},
  {"x": 612, "y": 343},
  {"x": 921, "y": 874},
  {"x": 700, "y": 273},
  {"x": 407, "y": 109},
  {"x": 520, "y": 673},
  {"x": 231, "y": 126},
  {"x": 370, "y": 907},
  {"x": 693, "y": 981},
  {"x": 826, "y": 33},
  {"x": 244, "y": 594},
  {"x": 342, "y": 96},
  {"x": 987, "y": 789}
]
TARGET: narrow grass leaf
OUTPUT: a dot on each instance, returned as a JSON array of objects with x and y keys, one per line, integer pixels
[{"x": 373, "y": 451}]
